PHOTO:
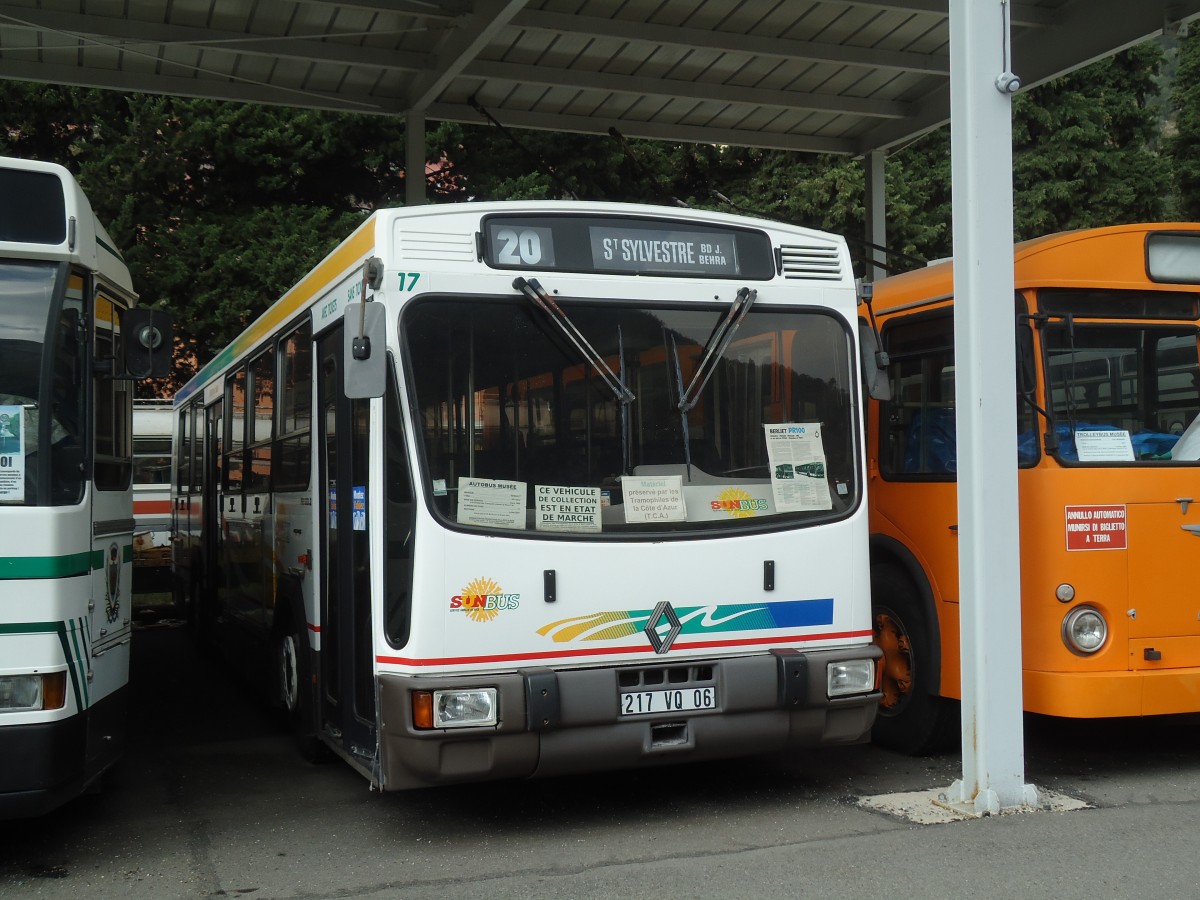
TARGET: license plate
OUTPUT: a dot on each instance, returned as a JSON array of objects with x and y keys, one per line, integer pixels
[{"x": 644, "y": 703}]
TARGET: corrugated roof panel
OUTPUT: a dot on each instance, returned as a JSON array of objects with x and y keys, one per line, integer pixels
[{"x": 768, "y": 71}]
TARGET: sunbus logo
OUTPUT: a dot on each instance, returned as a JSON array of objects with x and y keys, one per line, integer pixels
[
  {"x": 739, "y": 505},
  {"x": 482, "y": 599}
]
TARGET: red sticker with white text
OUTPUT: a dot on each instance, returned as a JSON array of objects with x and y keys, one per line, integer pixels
[{"x": 1096, "y": 527}]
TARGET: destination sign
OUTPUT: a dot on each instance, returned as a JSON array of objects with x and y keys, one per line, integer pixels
[
  {"x": 626, "y": 245},
  {"x": 673, "y": 252}
]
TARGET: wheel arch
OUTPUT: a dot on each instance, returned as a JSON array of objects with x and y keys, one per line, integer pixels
[
  {"x": 887, "y": 550},
  {"x": 289, "y": 616}
]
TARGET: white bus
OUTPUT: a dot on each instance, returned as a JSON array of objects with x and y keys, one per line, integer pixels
[
  {"x": 70, "y": 345},
  {"x": 507, "y": 490},
  {"x": 152, "y": 426}
]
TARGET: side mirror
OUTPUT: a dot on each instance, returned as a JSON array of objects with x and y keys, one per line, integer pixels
[
  {"x": 149, "y": 342},
  {"x": 365, "y": 350},
  {"x": 874, "y": 364}
]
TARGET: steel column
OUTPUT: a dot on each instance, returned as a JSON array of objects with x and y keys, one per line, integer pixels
[
  {"x": 985, "y": 397},
  {"x": 414, "y": 158}
]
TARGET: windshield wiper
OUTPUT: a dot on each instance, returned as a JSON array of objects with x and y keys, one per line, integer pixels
[
  {"x": 715, "y": 348},
  {"x": 541, "y": 298},
  {"x": 683, "y": 411}
]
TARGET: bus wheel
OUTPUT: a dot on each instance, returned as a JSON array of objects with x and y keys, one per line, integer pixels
[
  {"x": 296, "y": 694},
  {"x": 912, "y": 717}
]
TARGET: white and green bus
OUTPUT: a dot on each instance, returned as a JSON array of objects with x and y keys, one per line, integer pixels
[
  {"x": 71, "y": 343},
  {"x": 492, "y": 493}
]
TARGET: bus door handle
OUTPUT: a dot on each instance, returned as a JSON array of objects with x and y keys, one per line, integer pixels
[{"x": 1194, "y": 529}]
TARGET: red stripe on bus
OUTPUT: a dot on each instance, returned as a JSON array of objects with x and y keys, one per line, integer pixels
[
  {"x": 774, "y": 640},
  {"x": 151, "y": 506},
  {"x": 314, "y": 628}
]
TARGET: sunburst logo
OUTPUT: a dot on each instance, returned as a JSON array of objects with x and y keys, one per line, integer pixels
[
  {"x": 482, "y": 600},
  {"x": 738, "y": 503}
]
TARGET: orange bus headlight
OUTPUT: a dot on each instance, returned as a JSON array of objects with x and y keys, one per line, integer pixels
[
  {"x": 25, "y": 693},
  {"x": 1084, "y": 630}
]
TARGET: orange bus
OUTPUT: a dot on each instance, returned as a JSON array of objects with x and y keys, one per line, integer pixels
[{"x": 1108, "y": 396}]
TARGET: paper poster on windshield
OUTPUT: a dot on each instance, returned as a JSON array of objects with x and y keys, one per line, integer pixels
[
  {"x": 1104, "y": 446},
  {"x": 491, "y": 503},
  {"x": 797, "y": 462},
  {"x": 567, "y": 508},
  {"x": 653, "y": 498},
  {"x": 12, "y": 454}
]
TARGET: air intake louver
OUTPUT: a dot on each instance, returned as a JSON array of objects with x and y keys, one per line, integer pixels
[
  {"x": 813, "y": 261},
  {"x": 443, "y": 247}
]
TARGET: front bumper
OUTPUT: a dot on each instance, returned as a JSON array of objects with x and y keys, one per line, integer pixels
[{"x": 556, "y": 722}]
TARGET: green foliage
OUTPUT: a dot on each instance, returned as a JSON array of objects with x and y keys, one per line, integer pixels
[
  {"x": 1184, "y": 144},
  {"x": 218, "y": 208},
  {"x": 1085, "y": 147},
  {"x": 918, "y": 200}
]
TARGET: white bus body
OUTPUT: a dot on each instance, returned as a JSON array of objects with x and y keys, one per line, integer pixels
[
  {"x": 588, "y": 495},
  {"x": 66, "y": 517}
]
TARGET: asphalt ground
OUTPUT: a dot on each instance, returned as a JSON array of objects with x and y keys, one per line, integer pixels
[{"x": 213, "y": 801}]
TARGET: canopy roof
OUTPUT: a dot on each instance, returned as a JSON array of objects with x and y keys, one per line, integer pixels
[{"x": 837, "y": 76}]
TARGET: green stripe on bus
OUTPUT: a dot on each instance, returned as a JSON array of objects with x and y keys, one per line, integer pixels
[
  {"x": 65, "y": 566},
  {"x": 29, "y": 627},
  {"x": 79, "y": 655},
  {"x": 99, "y": 561}
]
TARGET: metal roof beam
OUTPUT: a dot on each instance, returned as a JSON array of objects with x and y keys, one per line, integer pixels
[
  {"x": 689, "y": 134},
  {"x": 692, "y": 90},
  {"x": 1023, "y": 13},
  {"x": 425, "y": 9},
  {"x": 127, "y": 34},
  {"x": 240, "y": 90},
  {"x": 729, "y": 42},
  {"x": 458, "y": 48}
]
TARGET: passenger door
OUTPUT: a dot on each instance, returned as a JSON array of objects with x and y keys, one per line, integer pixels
[{"x": 347, "y": 659}]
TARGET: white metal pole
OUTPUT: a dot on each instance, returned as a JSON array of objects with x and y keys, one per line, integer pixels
[
  {"x": 414, "y": 158},
  {"x": 876, "y": 211},
  {"x": 981, "y": 86}
]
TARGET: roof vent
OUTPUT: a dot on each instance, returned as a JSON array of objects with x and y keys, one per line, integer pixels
[
  {"x": 437, "y": 246},
  {"x": 820, "y": 262}
]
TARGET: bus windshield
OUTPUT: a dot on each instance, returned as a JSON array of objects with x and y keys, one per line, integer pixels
[
  {"x": 1123, "y": 392},
  {"x": 27, "y": 389},
  {"x": 503, "y": 396}
]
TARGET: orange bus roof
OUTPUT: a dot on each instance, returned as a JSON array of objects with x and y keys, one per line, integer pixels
[{"x": 1112, "y": 257}]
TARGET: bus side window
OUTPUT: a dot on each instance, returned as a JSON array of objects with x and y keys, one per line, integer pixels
[
  {"x": 235, "y": 429},
  {"x": 114, "y": 402},
  {"x": 294, "y": 409},
  {"x": 261, "y": 422},
  {"x": 919, "y": 419}
]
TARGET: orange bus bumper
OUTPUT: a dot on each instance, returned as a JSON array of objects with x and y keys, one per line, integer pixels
[{"x": 1098, "y": 695}]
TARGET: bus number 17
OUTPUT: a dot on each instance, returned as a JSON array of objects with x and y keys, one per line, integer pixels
[{"x": 408, "y": 281}]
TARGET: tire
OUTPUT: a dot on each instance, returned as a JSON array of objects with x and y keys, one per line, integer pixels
[
  {"x": 296, "y": 695},
  {"x": 912, "y": 718}
]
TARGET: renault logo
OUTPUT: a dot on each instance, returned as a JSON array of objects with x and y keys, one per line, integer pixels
[{"x": 661, "y": 612}]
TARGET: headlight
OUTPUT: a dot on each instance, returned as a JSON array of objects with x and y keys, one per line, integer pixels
[
  {"x": 1084, "y": 630},
  {"x": 454, "y": 708},
  {"x": 24, "y": 693},
  {"x": 850, "y": 676}
]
